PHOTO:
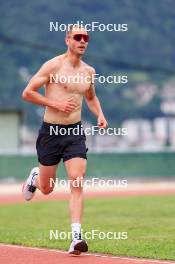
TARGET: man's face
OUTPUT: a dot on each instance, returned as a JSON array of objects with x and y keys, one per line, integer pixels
[{"x": 76, "y": 41}]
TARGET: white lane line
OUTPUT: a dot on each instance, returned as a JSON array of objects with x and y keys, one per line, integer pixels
[{"x": 91, "y": 254}]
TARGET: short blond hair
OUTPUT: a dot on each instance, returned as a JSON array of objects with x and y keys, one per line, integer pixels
[{"x": 72, "y": 27}]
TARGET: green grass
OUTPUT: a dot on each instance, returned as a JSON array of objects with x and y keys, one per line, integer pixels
[{"x": 149, "y": 221}]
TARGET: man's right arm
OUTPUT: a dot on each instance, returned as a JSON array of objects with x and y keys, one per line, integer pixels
[{"x": 32, "y": 95}]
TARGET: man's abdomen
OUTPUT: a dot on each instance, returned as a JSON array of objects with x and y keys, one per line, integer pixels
[{"x": 57, "y": 117}]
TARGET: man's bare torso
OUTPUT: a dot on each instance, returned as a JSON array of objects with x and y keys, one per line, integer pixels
[{"x": 61, "y": 86}]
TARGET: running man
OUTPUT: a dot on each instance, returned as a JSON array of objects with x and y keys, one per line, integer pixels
[{"x": 63, "y": 105}]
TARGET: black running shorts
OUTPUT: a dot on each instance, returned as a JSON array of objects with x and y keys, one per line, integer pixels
[{"x": 55, "y": 142}]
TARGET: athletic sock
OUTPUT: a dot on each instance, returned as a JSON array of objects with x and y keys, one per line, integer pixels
[{"x": 76, "y": 231}]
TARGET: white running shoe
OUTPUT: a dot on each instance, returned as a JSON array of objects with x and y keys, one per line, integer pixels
[
  {"x": 78, "y": 246},
  {"x": 29, "y": 188}
]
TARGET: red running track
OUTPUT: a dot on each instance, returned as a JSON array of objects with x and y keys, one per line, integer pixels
[
  {"x": 17, "y": 198},
  {"x": 11, "y": 254}
]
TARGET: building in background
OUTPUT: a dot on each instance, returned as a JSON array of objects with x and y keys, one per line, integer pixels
[{"x": 10, "y": 121}]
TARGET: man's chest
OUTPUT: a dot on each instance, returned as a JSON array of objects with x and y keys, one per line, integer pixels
[{"x": 77, "y": 81}]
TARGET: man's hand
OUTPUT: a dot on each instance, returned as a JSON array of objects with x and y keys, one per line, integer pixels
[
  {"x": 102, "y": 123},
  {"x": 66, "y": 106}
]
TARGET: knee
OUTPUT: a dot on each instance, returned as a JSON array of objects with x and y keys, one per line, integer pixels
[
  {"x": 46, "y": 189},
  {"x": 76, "y": 180},
  {"x": 77, "y": 175}
]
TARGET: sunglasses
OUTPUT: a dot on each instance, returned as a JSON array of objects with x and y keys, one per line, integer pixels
[{"x": 78, "y": 37}]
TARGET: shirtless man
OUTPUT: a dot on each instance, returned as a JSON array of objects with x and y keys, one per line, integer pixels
[{"x": 63, "y": 105}]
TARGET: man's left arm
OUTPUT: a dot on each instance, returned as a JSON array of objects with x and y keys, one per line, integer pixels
[{"x": 94, "y": 106}]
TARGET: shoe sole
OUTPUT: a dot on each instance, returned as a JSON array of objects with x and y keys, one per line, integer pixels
[
  {"x": 34, "y": 172},
  {"x": 75, "y": 252},
  {"x": 23, "y": 186}
]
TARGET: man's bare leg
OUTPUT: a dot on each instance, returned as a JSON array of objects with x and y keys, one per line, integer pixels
[
  {"x": 46, "y": 178},
  {"x": 42, "y": 178},
  {"x": 76, "y": 168}
]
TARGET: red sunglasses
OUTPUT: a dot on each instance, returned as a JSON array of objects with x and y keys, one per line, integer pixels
[{"x": 78, "y": 37}]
